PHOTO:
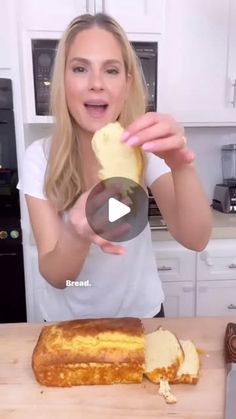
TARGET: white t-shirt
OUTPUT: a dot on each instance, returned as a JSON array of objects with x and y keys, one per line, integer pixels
[{"x": 109, "y": 285}]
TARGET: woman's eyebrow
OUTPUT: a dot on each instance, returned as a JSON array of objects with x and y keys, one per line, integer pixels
[{"x": 82, "y": 60}]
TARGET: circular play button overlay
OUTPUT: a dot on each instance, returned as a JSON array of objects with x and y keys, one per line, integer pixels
[{"x": 117, "y": 209}]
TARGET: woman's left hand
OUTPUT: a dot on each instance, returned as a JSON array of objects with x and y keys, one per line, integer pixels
[{"x": 162, "y": 135}]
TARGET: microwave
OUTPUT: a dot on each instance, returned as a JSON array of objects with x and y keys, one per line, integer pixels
[{"x": 43, "y": 55}]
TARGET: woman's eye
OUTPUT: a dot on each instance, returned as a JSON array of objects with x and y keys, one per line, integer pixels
[
  {"x": 112, "y": 71},
  {"x": 79, "y": 69}
]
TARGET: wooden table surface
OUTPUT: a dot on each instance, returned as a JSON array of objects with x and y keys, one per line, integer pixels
[{"x": 22, "y": 397}]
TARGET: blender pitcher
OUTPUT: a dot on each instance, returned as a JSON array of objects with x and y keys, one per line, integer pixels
[{"x": 228, "y": 158}]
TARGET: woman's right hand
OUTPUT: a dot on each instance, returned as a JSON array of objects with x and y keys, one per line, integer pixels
[{"x": 78, "y": 219}]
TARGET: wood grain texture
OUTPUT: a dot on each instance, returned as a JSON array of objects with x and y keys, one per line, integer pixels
[
  {"x": 230, "y": 342},
  {"x": 21, "y": 397}
]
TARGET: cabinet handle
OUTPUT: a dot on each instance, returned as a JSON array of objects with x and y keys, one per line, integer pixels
[
  {"x": 234, "y": 94},
  {"x": 209, "y": 262},
  {"x": 202, "y": 289},
  {"x": 188, "y": 289},
  {"x": 232, "y": 266},
  {"x": 7, "y": 254},
  {"x": 232, "y": 307},
  {"x": 164, "y": 268},
  {"x": 205, "y": 257},
  {"x": 87, "y": 6}
]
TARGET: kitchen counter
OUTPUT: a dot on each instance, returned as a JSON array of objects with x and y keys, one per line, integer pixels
[
  {"x": 21, "y": 397},
  {"x": 224, "y": 227}
]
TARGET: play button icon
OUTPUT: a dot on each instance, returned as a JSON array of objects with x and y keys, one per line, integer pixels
[{"x": 117, "y": 209}]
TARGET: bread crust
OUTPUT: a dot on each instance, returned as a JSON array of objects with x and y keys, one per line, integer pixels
[{"x": 90, "y": 351}]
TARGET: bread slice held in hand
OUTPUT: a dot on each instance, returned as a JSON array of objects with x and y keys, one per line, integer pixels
[{"x": 116, "y": 158}]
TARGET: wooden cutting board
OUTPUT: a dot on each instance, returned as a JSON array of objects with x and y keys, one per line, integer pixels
[{"x": 22, "y": 397}]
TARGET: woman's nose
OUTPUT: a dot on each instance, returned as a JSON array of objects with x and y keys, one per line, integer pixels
[{"x": 96, "y": 81}]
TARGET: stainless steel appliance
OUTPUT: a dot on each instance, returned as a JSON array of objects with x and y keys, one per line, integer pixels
[
  {"x": 224, "y": 199},
  {"x": 43, "y": 55},
  {"x": 228, "y": 157},
  {"x": 12, "y": 286},
  {"x": 155, "y": 218}
]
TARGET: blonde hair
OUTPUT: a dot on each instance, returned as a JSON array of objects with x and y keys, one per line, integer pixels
[{"x": 63, "y": 182}]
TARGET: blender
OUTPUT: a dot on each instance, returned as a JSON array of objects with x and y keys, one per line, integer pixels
[{"x": 225, "y": 193}]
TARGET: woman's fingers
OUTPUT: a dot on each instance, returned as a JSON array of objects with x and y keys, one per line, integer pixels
[
  {"x": 107, "y": 246},
  {"x": 163, "y": 125}
]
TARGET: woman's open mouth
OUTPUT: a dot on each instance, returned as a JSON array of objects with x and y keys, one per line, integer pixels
[{"x": 96, "y": 110}]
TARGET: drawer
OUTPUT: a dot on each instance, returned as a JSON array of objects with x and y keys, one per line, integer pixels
[
  {"x": 216, "y": 298},
  {"x": 216, "y": 267},
  {"x": 175, "y": 266}
]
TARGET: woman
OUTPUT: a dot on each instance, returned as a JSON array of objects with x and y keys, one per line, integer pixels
[{"x": 96, "y": 81}]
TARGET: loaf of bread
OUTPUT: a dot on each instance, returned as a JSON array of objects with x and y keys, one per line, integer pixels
[
  {"x": 98, "y": 351},
  {"x": 116, "y": 158}
]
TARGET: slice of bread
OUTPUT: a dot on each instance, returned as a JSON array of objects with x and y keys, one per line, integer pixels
[
  {"x": 116, "y": 158},
  {"x": 163, "y": 355},
  {"x": 188, "y": 371}
]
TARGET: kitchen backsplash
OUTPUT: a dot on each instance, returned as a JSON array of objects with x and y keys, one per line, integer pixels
[{"x": 206, "y": 143}]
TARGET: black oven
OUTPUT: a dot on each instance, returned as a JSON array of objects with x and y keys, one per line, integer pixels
[
  {"x": 12, "y": 284},
  {"x": 43, "y": 55}
]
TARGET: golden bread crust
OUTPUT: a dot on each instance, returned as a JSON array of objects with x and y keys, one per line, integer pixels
[
  {"x": 96, "y": 351},
  {"x": 159, "y": 373}
]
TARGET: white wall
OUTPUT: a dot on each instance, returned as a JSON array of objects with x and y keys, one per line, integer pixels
[{"x": 206, "y": 144}]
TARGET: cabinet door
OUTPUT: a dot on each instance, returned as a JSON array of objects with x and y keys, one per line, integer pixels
[
  {"x": 194, "y": 87},
  {"x": 174, "y": 262},
  {"x": 136, "y": 16},
  {"x": 179, "y": 299},
  {"x": 232, "y": 54},
  {"x": 38, "y": 286},
  {"x": 49, "y": 14},
  {"x": 216, "y": 298},
  {"x": 5, "y": 34},
  {"x": 217, "y": 261}
]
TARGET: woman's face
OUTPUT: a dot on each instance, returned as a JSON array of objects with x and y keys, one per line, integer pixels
[{"x": 96, "y": 84}]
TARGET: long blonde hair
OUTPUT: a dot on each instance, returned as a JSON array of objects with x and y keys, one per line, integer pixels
[{"x": 63, "y": 183}]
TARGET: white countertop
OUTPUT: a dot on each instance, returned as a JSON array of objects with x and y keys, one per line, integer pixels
[{"x": 224, "y": 227}]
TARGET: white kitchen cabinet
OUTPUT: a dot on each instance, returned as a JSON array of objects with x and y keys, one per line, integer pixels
[
  {"x": 200, "y": 62},
  {"x": 176, "y": 267},
  {"x": 217, "y": 261},
  {"x": 179, "y": 299},
  {"x": 216, "y": 279},
  {"x": 36, "y": 286},
  {"x": 5, "y": 34},
  {"x": 145, "y": 16},
  {"x": 231, "y": 80},
  {"x": 216, "y": 298},
  {"x": 51, "y": 15}
]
